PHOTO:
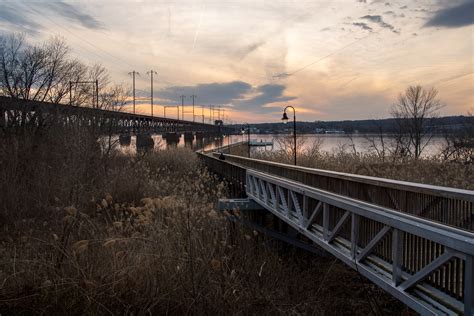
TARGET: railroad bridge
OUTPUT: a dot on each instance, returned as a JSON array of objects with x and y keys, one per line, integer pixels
[
  {"x": 415, "y": 241},
  {"x": 17, "y": 112}
]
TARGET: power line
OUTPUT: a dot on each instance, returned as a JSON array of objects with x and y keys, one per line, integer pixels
[
  {"x": 282, "y": 75},
  {"x": 79, "y": 37},
  {"x": 133, "y": 73}
]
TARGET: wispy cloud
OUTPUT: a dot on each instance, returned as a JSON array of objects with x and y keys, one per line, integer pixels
[
  {"x": 10, "y": 15},
  {"x": 377, "y": 19},
  {"x": 73, "y": 13},
  {"x": 363, "y": 26}
]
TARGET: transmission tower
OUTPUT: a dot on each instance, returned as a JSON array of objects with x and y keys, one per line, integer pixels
[
  {"x": 151, "y": 73},
  {"x": 133, "y": 74}
]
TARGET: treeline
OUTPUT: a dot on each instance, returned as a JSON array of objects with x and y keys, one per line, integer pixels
[
  {"x": 47, "y": 72},
  {"x": 439, "y": 125}
]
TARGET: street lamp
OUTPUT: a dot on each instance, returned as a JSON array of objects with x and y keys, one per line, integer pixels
[
  {"x": 285, "y": 120},
  {"x": 248, "y": 138},
  {"x": 221, "y": 156}
]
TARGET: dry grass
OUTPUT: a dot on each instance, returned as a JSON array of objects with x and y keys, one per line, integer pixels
[
  {"x": 429, "y": 170},
  {"x": 91, "y": 231}
]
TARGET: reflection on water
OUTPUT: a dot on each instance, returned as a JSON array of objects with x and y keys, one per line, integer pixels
[
  {"x": 327, "y": 143},
  {"x": 195, "y": 144},
  {"x": 337, "y": 142}
]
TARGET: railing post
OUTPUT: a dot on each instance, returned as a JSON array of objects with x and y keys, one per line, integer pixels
[
  {"x": 304, "y": 210},
  {"x": 354, "y": 234},
  {"x": 397, "y": 256},
  {"x": 469, "y": 286},
  {"x": 277, "y": 199},
  {"x": 325, "y": 221}
]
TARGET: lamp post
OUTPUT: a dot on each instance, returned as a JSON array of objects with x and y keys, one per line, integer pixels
[
  {"x": 285, "y": 120},
  {"x": 221, "y": 156},
  {"x": 248, "y": 138}
]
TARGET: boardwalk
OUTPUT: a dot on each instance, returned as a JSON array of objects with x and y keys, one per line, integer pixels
[{"x": 414, "y": 241}]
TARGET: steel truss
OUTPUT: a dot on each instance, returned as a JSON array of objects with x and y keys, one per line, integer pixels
[
  {"x": 115, "y": 121},
  {"x": 337, "y": 224}
]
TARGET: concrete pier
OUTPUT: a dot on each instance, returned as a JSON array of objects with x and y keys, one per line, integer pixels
[
  {"x": 125, "y": 139},
  {"x": 145, "y": 142},
  {"x": 188, "y": 140},
  {"x": 172, "y": 139}
]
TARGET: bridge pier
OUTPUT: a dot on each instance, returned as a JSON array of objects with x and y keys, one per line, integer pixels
[
  {"x": 145, "y": 142},
  {"x": 172, "y": 139},
  {"x": 188, "y": 139},
  {"x": 125, "y": 139}
]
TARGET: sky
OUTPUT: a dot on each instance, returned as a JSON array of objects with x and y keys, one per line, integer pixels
[{"x": 331, "y": 60}]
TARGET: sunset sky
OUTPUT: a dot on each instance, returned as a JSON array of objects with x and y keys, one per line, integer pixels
[{"x": 332, "y": 60}]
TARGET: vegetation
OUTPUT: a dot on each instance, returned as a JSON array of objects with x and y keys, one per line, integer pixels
[
  {"x": 87, "y": 229},
  {"x": 46, "y": 72},
  {"x": 453, "y": 167}
]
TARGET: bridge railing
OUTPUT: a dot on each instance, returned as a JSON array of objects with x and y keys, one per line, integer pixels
[
  {"x": 232, "y": 173},
  {"x": 454, "y": 207},
  {"x": 427, "y": 265}
]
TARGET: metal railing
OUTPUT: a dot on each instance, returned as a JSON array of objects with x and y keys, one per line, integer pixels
[
  {"x": 426, "y": 265},
  {"x": 454, "y": 207},
  {"x": 232, "y": 173}
]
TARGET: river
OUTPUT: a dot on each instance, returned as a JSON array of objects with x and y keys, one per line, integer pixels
[{"x": 327, "y": 142}]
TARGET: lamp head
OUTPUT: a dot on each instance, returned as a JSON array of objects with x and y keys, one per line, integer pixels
[
  {"x": 242, "y": 131},
  {"x": 284, "y": 118}
]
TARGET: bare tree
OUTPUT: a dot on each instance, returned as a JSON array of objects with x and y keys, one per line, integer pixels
[
  {"x": 460, "y": 143},
  {"x": 113, "y": 97},
  {"x": 287, "y": 145},
  {"x": 10, "y": 72},
  {"x": 413, "y": 112},
  {"x": 47, "y": 73}
]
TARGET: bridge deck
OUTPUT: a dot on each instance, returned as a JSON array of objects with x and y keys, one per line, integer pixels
[
  {"x": 414, "y": 241},
  {"x": 118, "y": 120}
]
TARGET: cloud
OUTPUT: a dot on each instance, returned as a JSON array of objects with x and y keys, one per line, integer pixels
[
  {"x": 22, "y": 15},
  {"x": 266, "y": 94},
  {"x": 209, "y": 93},
  {"x": 20, "y": 21},
  {"x": 248, "y": 49},
  {"x": 363, "y": 26},
  {"x": 452, "y": 17},
  {"x": 237, "y": 94},
  {"x": 73, "y": 13},
  {"x": 379, "y": 20}
]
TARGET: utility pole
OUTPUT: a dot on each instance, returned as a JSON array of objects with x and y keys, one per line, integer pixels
[
  {"x": 151, "y": 72},
  {"x": 182, "y": 106},
  {"x": 193, "y": 96},
  {"x": 133, "y": 73},
  {"x": 97, "y": 92}
]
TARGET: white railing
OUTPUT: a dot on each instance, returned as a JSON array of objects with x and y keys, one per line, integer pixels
[{"x": 435, "y": 279}]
